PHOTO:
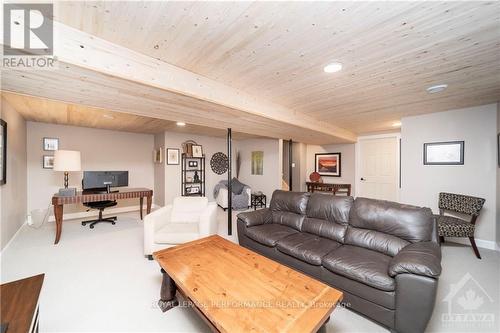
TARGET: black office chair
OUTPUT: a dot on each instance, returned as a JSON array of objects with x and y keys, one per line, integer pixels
[{"x": 101, "y": 205}]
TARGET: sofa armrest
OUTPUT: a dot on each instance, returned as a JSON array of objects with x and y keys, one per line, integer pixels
[
  {"x": 208, "y": 220},
  {"x": 422, "y": 258},
  {"x": 153, "y": 222},
  {"x": 256, "y": 217}
]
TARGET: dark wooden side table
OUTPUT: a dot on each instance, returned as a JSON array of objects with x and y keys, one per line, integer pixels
[
  {"x": 19, "y": 311},
  {"x": 258, "y": 200}
]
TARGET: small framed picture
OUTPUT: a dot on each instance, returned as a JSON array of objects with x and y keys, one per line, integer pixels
[
  {"x": 444, "y": 153},
  {"x": 173, "y": 156},
  {"x": 3, "y": 152},
  {"x": 192, "y": 190},
  {"x": 328, "y": 164},
  {"x": 50, "y": 144},
  {"x": 48, "y": 162},
  {"x": 193, "y": 164},
  {"x": 498, "y": 148},
  {"x": 197, "y": 151},
  {"x": 158, "y": 156}
]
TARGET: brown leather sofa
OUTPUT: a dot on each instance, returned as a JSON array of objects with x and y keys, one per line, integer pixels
[{"x": 384, "y": 256}]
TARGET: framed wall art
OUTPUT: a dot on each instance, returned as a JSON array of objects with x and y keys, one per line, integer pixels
[
  {"x": 257, "y": 163},
  {"x": 3, "y": 152},
  {"x": 173, "y": 156},
  {"x": 50, "y": 144},
  {"x": 197, "y": 151},
  {"x": 48, "y": 162},
  {"x": 328, "y": 164},
  {"x": 444, "y": 153},
  {"x": 498, "y": 149},
  {"x": 158, "y": 156}
]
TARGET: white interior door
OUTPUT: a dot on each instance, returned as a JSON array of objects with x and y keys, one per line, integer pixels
[{"x": 378, "y": 168}]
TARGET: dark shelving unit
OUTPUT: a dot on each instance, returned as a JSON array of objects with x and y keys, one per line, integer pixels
[{"x": 187, "y": 171}]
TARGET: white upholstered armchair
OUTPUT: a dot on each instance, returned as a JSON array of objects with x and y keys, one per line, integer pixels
[{"x": 187, "y": 219}]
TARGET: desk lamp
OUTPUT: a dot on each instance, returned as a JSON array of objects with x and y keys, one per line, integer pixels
[{"x": 67, "y": 161}]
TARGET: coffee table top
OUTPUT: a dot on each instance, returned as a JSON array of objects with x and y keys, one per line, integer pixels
[{"x": 239, "y": 290}]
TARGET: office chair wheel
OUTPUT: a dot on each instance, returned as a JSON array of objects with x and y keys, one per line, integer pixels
[
  {"x": 84, "y": 223},
  {"x": 113, "y": 223},
  {"x": 91, "y": 227}
]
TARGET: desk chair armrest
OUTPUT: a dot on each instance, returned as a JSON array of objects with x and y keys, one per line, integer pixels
[
  {"x": 208, "y": 220},
  {"x": 153, "y": 222}
]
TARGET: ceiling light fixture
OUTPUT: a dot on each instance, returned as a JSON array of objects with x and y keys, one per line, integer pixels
[
  {"x": 180, "y": 123},
  {"x": 333, "y": 67},
  {"x": 437, "y": 88}
]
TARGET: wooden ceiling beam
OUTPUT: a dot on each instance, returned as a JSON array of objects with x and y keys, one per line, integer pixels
[{"x": 81, "y": 49}]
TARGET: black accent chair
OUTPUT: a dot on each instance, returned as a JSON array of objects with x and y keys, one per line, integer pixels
[
  {"x": 450, "y": 226},
  {"x": 100, "y": 205}
]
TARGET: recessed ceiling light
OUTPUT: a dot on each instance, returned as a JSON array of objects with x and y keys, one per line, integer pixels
[
  {"x": 396, "y": 124},
  {"x": 108, "y": 116},
  {"x": 333, "y": 67},
  {"x": 180, "y": 123},
  {"x": 437, "y": 88}
]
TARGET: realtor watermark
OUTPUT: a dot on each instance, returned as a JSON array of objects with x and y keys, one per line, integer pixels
[
  {"x": 468, "y": 306},
  {"x": 28, "y": 34}
]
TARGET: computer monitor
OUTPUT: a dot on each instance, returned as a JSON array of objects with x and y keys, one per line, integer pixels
[{"x": 104, "y": 180}]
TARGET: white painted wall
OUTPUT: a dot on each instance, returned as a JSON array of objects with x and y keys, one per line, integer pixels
[
  {"x": 100, "y": 150},
  {"x": 421, "y": 184},
  {"x": 348, "y": 165},
  {"x": 498, "y": 183},
  {"x": 13, "y": 194},
  {"x": 159, "y": 171},
  {"x": 271, "y": 178}
]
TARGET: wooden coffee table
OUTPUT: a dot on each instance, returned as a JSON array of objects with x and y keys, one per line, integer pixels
[{"x": 237, "y": 290}]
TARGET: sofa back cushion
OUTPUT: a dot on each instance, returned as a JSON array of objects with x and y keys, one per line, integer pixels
[
  {"x": 411, "y": 223},
  {"x": 289, "y": 208},
  {"x": 286, "y": 201},
  {"x": 327, "y": 216},
  {"x": 329, "y": 207},
  {"x": 188, "y": 209},
  {"x": 374, "y": 240}
]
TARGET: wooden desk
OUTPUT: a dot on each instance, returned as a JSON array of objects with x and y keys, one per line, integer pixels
[
  {"x": 325, "y": 187},
  {"x": 128, "y": 193},
  {"x": 234, "y": 289},
  {"x": 19, "y": 305}
]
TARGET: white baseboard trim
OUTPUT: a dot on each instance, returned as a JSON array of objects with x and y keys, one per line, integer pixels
[
  {"x": 12, "y": 238},
  {"x": 484, "y": 244},
  {"x": 78, "y": 215}
]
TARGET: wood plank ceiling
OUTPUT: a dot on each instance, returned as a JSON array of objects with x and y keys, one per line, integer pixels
[
  {"x": 62, "y": 113},
  {"x": 391, "y": 51},
  {"x": 276, "y": 51}
]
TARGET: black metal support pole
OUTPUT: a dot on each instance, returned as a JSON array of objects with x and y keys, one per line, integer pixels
[
  {"x": 229, "y": 185},
  {"x": 290, "y": 161}
]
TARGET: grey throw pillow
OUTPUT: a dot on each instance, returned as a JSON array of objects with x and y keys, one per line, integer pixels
[{"x": 237, "y": 186}]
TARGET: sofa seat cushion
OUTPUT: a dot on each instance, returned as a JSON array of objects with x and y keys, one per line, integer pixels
[
  {"x": 307, "y": 247},
  {"x": 449, "y": 226},
  {"x": 363, "y": 265},
  {"x": 269, "y": 234},
  {"x": 177, "y": 233}
]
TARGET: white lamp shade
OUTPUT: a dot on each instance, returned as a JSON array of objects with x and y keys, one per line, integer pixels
[{"x": 67, "y": 160}]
